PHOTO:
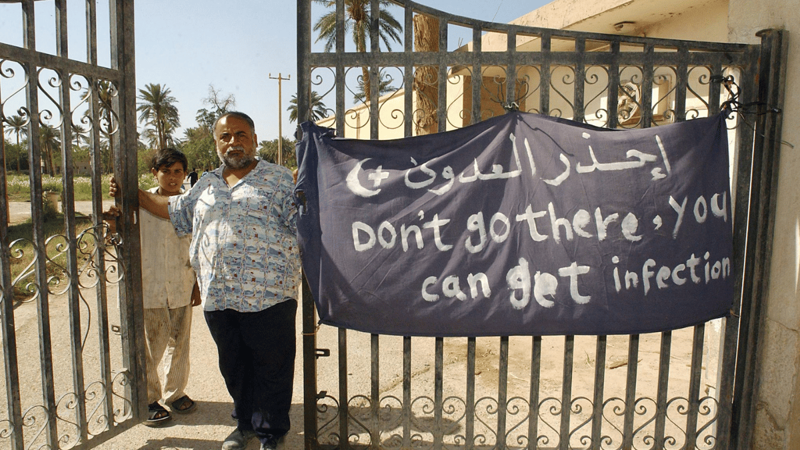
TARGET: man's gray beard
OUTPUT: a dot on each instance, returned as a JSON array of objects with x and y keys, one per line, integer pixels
[{"x": 238, "y": 162}]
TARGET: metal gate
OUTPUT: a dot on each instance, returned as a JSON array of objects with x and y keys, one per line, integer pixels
[
  {"x": 682, "y": 389},
  {"x": 72, "y": 369}
]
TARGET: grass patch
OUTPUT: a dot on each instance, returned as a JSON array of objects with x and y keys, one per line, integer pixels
[{"x": 19, "y": 186}]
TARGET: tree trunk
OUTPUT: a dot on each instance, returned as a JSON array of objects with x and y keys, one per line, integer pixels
[
  {"x": 19, "y": 152},
  {"x": 50, "y": 156},
  {"x": 426, "y": 83},
  {"x": 367, "y": 87},
  {"x": 46, "y": 158},
  {"x": 361, "y": 47},
  {"x": 161, "y": 132}
]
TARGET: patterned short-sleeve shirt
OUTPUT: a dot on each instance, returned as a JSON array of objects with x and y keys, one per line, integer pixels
[{"x": 244, "y": 239}]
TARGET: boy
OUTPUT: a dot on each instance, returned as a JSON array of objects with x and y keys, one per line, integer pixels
[{"x": 169, "y": 290}]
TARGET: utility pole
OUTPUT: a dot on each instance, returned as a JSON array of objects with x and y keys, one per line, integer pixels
[{"x": 280, "y": 116}]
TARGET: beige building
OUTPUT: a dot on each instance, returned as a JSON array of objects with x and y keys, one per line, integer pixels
[{"x": 777, "y": 379}]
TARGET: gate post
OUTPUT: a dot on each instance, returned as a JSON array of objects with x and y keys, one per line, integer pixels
[
  {"x": 125, "y": 167},
  {"x": 308, "y": 313},
  {"x": 763, "y": 185}
]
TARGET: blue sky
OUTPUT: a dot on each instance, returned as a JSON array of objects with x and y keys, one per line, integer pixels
[{"x": 188, "y": 45}]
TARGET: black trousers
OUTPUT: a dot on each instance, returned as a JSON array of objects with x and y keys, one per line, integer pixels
[{"x": 256, "y": 358}]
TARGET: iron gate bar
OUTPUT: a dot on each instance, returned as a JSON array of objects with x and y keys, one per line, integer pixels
[
  {"x": 101, "y": 295},
  {"x": 477, "y": 70},
  {"x": 630, "y": 391},
  {"x": 441, "y": 78},
  {"x": 91, "y": 33},
  {"x": 374, "y": 74},
  {"x": 743, "y": 178},
  {"x": 68, "y": 209},
  {"x": 663, "y": 386},
  {"x": 648, "y": 75},
  {"x": 391, "y": 59},
  {"x": 308, "y": 315},
  {"x": 125, "y": 163},
  {"x": 545, "y": 63},
  {"x": 106, "y": 407},
  {"x": 682, "y": 73},
  {"x": 408, "y": 72},
  {"x": 340, "y": 73},
  {"x": 11, "y": 359},
  {"x": 566, "y": 390},
  {"x": 39, "y": 59},
  {"x": 438, "y": 402},
  {"x": 343, "y": 400},
  {"x": 406, "y": 416},
  {"x": 37, "y": 217},
  {"x": 599, "y": 384},
  {"x": 694, "y": 383},
  {"x": 536, "y": 365},
  {"x": 374, "y": 405},
  {"x": 470, "y": 396},
  {"x": 580, "y": 79}
]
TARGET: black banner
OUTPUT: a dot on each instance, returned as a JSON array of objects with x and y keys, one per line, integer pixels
[{"x": 519, "y": 225}]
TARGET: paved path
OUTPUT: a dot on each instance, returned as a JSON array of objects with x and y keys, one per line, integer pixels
[
  {"x": 207, "y": 426},
  {"x": 21, "y": 211}
]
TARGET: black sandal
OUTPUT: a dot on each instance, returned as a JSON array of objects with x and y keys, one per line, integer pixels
[
  {"x": 157, "y": 415},
  {"x": 183, "y": 405}
]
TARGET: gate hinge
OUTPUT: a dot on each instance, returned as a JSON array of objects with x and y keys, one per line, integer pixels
[{"x": 322, "y": 352}]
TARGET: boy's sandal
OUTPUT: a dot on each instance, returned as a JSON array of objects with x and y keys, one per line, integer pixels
[
  {"x": 183, "y": 405},
  {"x": 157, "y": 415}
]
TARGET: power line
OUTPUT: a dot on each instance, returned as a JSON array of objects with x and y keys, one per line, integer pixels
[
  {"x": 498, "y": 10},
  {"x": 280, "y": 114}
]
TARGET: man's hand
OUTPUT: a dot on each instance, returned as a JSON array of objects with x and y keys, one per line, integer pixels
[
  {"x": 294, "y": 176},
  {"x": 110, "y": 219},
  {"x": 196, "y": 294},
  {"x": 113, "y": 189}
]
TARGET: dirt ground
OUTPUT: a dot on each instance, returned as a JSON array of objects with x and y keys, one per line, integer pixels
[{"x": 205, "y": 428}]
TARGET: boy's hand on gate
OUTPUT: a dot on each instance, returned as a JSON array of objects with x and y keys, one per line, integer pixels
[
  {"x": 113, "y": 188},
  {"x": 110, "y": 219}
]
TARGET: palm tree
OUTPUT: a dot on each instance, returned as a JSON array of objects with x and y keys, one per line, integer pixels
[
  {"x": 80, "y": 134},
  {"x": 19, "y": 126},
  {"x": 105, "y": 93},
  {"x": 384, "y": 87},
  {"x": 157, "y": 109},
  {"x": 150, "y": 136},
  {"x": 426, "y": 39},
  {"x": 357, "y": 21},
  {"x": 49, "y": 139},
  {"x": 317, "y": 109}
]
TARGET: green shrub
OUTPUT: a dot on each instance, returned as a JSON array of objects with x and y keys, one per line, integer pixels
[
  {"x": 49, "y": 210},
  {"x": 19, "y": 188}
]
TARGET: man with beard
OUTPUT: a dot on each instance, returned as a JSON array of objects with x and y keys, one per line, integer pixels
[{"x": 242, "y": 218}]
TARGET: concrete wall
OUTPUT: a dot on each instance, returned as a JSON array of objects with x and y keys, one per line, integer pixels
[
  {"x": 706, "y": 24},
  {"x": 778, "y": 395}
]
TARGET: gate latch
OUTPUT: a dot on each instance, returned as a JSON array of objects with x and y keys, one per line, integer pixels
[{"x": 322, "y": 352}]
